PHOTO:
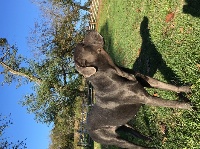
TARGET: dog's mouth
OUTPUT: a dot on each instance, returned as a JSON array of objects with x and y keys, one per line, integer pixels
[{"x": 81, "y": 63}]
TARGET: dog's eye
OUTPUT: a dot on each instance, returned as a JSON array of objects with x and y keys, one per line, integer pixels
[
  {"x": 82, "y": 44},
  {"x": 85, "y": 64},
  {"x": 98, "y": 50}
]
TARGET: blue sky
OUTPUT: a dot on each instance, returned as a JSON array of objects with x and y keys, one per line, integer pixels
[{"x": 17, "y": 19}]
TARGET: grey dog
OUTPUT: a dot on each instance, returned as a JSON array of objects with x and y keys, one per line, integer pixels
[{"x": 118, "y": 94}]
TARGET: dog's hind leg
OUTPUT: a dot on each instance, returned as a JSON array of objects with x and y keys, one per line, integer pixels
[
  {"x": 161, "y": 85},
  {"x": 155, "y": 101},
  {"x": 108, "y": 136},
  {"x": 128, "y": 129}
]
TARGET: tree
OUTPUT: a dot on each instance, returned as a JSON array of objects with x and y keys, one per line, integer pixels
[
  {"x": 62, "y": 134},
  {"x": 74, "y": 3},
  {"x": 56, "y": 83},
  {"x": 3, "y": 41},
  {"x": 5, "y": 122}
]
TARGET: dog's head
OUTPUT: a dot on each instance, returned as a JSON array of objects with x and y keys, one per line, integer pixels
[{"x": 87, "y": 54}]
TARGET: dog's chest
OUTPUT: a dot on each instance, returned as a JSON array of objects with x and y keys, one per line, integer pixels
[
  {"x": 112, "y": 90},
  {"x": 109, "y": 88},
  {"x": 105, "y": 83}
]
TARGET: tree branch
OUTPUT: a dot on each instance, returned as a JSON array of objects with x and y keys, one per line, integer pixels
[{"x": 14, "y": 72}]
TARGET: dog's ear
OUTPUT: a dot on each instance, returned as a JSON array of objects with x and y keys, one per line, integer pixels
[
  {"x": 86, "y": 71},
  {"x": 93, "y": 38}
]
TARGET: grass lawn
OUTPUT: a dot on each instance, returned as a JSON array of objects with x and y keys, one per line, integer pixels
[{"x": 159, "y": 38}]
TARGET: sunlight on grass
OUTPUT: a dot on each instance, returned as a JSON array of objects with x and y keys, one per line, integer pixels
[{"x": 138, "y": 35}]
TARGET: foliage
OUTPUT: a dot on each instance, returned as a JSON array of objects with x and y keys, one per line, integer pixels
[
  {"x": 74, "y": 4},
  {"x": 159, "y": 39},
  {"x": 62, "y": 134},
  {"x": 52, "y": 68},
  {"x": 55, "y": 82},
  {"x": 3, "y": 41},
  {"x": 5, "y": 122}
]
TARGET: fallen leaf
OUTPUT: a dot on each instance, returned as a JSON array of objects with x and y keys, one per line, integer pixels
[
  {"x": 139, "y": 51},
  {"x": 181, "y": 30},
  {"x": 169, "y": 17},
  {"x": 163, "y": 128},
  {"x": 198, "y": 66},
  {"x": 172, "y": 26},
  {"x": 138, "y": 10},
  {"x": 164, "y": 140},
  {"x": 155, "y": 94}
]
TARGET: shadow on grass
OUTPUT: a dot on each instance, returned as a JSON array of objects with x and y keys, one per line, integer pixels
[
  {"x": 108, "y": 39},
  {"x": 148, "y": 62},
  {"x": 192, "y": 7}
]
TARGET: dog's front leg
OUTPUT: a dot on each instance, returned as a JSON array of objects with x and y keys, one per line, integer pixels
[{"x": 161, "y": 85}]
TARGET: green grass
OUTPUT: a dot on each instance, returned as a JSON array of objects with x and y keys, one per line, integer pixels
[{"x": 138, "y": 37}]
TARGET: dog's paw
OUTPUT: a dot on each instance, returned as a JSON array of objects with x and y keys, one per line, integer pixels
[
  {"x": 188, "y": 106},
  {"x": 186, "y": 89}
]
